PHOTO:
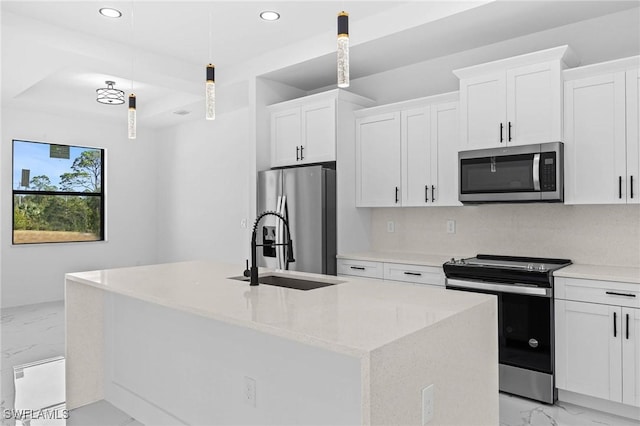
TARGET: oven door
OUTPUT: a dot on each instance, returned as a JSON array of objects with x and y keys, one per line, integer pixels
[{"x": 525, "y": 322}]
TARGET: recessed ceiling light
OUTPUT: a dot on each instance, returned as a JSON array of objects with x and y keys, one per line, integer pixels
[
  {"x": 110, "y": 12},
  {"x": 269, "y": 15}
]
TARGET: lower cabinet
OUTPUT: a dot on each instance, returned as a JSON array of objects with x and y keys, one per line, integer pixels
[
  {"x": 597, "y": 325},
  {"x": 408, "y": 273}
]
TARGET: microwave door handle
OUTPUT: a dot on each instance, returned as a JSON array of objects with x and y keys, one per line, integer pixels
[{"x": 536, "y": 172}]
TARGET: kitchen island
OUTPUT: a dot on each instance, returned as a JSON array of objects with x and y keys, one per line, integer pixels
[{"x": 182, "y": 343}]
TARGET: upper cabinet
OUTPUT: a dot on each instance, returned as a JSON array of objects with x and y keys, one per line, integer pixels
[
  {"x": 303, "y": 130},
  {"x": 406, "y": 153},
  {"x": 601, "y": 133},
  {"x": 514, "y": 101}
]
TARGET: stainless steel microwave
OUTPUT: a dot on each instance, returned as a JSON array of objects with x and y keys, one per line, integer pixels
[{"x": 514, "y": 174}]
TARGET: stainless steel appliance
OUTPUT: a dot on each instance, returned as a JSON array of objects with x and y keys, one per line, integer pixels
[
  {"x": 524, "y": 173},
  {"x": 524, "y": 288},
  {"x": 306, "y": 198}
]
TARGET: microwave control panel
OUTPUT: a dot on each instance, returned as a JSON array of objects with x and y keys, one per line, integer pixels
[{"x": 548, "y": 171}]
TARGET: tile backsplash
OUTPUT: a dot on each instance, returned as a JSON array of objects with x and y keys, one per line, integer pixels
[{"x": 594, "y": 234}]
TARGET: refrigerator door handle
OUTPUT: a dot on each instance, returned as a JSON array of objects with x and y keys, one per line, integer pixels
[
  {"x": 277, "y": 236},
  {"x": 284, "y": 212}
]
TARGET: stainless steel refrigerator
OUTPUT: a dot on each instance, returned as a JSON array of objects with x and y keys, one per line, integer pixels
[{"x": 306, "y": 197}]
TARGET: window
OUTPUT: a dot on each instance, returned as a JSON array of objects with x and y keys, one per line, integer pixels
[{"x": 58, "y": 193}]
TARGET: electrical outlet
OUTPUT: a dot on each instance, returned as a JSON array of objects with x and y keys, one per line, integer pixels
[
  {"x": 451, "y": 227},
  {"x": 243, "y": 223},
  {"x": 427, "y": 405},
  {"x": 250, "y": 391},
  {"x": 391, "y": 227}
]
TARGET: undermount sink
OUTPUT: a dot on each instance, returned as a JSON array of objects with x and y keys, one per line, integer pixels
[{"x": 289, "y": 281}]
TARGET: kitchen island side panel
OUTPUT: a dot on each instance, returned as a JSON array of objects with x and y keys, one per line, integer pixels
[
  {"x": 458, "y": 356},
  {"x": 170, "y": 367}
]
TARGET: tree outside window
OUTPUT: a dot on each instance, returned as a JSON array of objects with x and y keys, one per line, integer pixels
[{"x": 58, "y": 193}]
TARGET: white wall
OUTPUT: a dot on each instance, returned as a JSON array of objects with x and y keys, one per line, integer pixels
[
  {"x": 35, "y": 273},
  {"x": 593, "y": 234},
  {"x": 205, "y": 189}
]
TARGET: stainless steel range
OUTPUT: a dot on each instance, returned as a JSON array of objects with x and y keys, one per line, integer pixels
[{"x": 524, "y": 287}]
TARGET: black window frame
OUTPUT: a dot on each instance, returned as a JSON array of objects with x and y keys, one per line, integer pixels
[{"x": 100, "y": 194}]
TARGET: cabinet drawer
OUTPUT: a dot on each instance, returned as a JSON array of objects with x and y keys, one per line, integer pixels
[
  {"x": 597, "y": 291},
  {"x": 360, "y": 268},
  {"x": 414, "y": 274}
]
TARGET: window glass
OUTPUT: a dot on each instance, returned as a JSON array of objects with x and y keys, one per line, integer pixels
[{"x": 57, "y": 193}]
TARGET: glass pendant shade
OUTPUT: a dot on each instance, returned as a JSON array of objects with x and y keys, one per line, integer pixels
[
  {"x": 132, "y": 116},
  {"x": 210, "y": 93},
  {"x": 110, "y": 95},
  {"x": 343, "y": 49}
]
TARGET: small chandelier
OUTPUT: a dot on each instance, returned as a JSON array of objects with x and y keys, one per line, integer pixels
[
  {"x": 109, "y": 95},
  {"x": 343, "y": 49}
]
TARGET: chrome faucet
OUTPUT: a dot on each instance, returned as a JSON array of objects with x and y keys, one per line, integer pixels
[{"x": 253, "y": 272}]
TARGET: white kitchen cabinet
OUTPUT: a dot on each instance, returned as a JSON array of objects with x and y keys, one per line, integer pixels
[
  {"x": 392, "y": 271},
  {"x": 597, "y": 339},
  {"x": 360, "y": 268},
  {"x": 601, "y": 134},
  {"x": 407, "y": 153},
  {"x": 514, "y": 101},
  {"x": 303, "y": 130},
  {"x": 378, "y": 177}
]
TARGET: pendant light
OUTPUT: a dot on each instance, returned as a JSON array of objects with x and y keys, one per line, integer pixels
[
  {"x": 210, "y": 93},
  {"x": 131, "y": 118},
  {"x": 210, "y": 85},
  {"x": 131, "y": 114},
  {"x": 343, "y": 49}
]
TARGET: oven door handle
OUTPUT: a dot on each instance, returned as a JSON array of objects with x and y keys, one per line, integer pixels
[{"x": 500, "y": 288}]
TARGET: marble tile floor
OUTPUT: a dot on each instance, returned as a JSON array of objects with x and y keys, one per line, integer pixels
[{"x": 34, "y": 332}]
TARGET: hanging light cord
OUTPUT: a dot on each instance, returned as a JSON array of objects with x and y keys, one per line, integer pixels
[
  {"x": 132, "y": 47},
  {"x": 210, "y": 25}
]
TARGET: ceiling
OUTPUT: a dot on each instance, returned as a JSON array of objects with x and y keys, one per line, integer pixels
[{"x": 56, "y": 54}]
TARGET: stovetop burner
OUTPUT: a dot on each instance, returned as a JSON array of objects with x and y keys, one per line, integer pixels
[{"x": 507, "y": 269}]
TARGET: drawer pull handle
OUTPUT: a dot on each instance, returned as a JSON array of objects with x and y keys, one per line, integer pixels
[
  {"x": 415, "y": 274},
  {"x": 613, "y": 293},
  {"x": 359, "y": 268}
]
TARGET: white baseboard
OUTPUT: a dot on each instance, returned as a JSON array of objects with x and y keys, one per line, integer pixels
[{"x": 610, "y": 407}]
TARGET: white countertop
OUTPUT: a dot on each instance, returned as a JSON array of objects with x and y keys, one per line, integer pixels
[
  {"x": 590, "y": 272},
  {"x": 354, "y": 317},
  {"x": 399, "y": 257},
  {"x": 600, "y": 272}
]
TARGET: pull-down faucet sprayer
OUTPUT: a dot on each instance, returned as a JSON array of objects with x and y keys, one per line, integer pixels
[{"x": 253, "y": 272}]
